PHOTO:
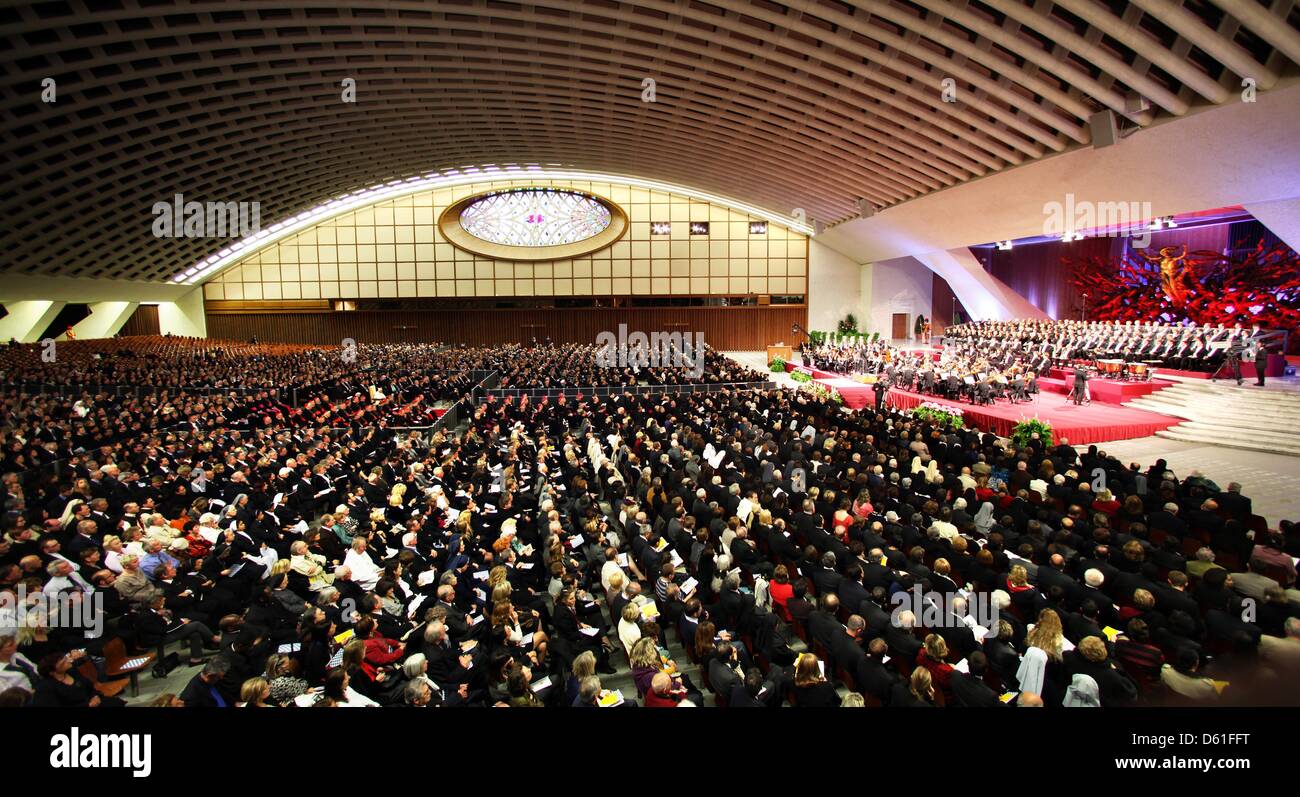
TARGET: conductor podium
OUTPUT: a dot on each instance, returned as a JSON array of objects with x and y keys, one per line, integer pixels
[{"x": 779, "y": 350}]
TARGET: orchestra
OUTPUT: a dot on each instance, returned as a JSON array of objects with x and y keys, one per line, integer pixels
[
  {"x": 985, "y": 361},
  {"x": 957, "y": 373}
]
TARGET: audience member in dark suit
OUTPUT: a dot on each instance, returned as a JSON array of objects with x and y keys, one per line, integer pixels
[
  {"x": 969, "y": 689},
  {"x": 874, "y": 677}
]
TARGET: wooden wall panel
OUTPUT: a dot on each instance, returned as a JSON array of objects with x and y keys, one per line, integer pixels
[
  {"x": 942, "y": 304},
  {"x": 144, "y": 321},
  {"x": 725, "y": 328}
]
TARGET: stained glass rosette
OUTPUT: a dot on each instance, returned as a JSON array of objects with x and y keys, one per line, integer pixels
[
  {"x": 533, "y": 223},
  {"x": 535, "y": 217}
]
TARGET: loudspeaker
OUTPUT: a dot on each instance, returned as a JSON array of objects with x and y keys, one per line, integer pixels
[
  {"x": 1105, "y": 131},
  {"x": 1136, "y": 103},
  {"x": 865, "y": 209}
]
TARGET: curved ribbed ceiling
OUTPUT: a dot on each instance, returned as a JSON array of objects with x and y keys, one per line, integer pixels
[{"x": 797, "y": 105}]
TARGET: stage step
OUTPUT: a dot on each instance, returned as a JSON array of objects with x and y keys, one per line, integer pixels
[
  {"x": 1233, "y": 441},
  {"x": 1256, "y": 416},
  {"x": 1226, "y": 414},
  {"x": 1195, "y": 407},
  {"x": 1268, "y": 436}
]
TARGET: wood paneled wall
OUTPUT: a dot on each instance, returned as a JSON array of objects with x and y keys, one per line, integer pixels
[
  {"x": 942, "y": 304},
  {"x": 144, "y": 321},
  {"x": 724, "y": 328}
]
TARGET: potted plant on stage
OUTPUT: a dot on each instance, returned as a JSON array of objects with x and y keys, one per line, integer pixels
[
  {"x": 801, "y": 376},
  {"x": 939, "y": 414},
  {"x": 777, "y": 366},
  {"x": 823, "y": 392},
  {"x": 1030, "y": 428}
]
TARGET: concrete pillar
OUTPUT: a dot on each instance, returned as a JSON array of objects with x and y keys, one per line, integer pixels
[
  {"x": 105, "y": 319},
  {"x": 27, "y": 320},
  {"x": 1281, "y": 217},
  {"x": 184, "y": 317}
]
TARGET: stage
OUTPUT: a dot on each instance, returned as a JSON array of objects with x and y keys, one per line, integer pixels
[
  {"x": 1083, "y": 425},
  {"x": 1105, "y": 391},
  {"x": 1102, "y": 421}
]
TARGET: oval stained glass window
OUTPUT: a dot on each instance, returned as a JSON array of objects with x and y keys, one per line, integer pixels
[
  {"x": 535, "y": 217},
  {"x": 532, "y": 223}
]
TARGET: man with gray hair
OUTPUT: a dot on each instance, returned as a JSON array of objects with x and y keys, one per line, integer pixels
[
  {"x": 64, "y": 577},
  {"x": 448, "y": 663},
  {"x": 204, "y": 690},
  {"x": 155, "y": 556},
  {"x": 588, "y": 692},
  {"x": 417, "y": 694}
]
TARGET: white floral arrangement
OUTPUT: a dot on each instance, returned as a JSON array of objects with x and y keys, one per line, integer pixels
[
  {"x": 939, "y": 413},
  {"x": 935, "y": 406}
]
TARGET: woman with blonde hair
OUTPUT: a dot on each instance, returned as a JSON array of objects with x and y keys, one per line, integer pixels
[
  {"x": 811, "y": 688},
  {"x": 644, "y": 659},
  {"x": 584, "y": 666},
  {"x": 254, "y": 693},
  {"x": 282, "y": 674},
  {"x": 933, "y": 656},
  {"x": 648, "y": 661},
  {"x": 1047, "y": 634},
  {"x": 921, "y": 686},
  {"x": 629, "y": 627},
  {"x": 1018, "y": 580},
  {"x": 1042, "y": 670},
  {"x": 616, "y": 583},
  {"x": 862, "y": 507},
  {"x": 113, "y": 552}
]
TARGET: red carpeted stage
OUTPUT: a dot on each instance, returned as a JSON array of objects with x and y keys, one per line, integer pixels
[
  {"x": 1094, "y": 423},
  {"x": 1102, "y": 421},
  {"x": 1105, "y": 391}
]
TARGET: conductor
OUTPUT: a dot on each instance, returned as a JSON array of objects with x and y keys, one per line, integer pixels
[
  {"x": 1080, "y": 391},
  {"x": 882, "y": 389}
]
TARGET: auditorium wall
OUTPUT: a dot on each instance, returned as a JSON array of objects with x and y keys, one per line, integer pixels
[
  {"x": 726, "y": 328},
  {"x": 393, "y": 249},
  {"x": 834, "y": 288},
  {"x": 901, "y": 285}
]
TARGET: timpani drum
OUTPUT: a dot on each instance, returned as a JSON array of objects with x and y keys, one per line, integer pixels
[
  {"x": 1137, "y": 371},
  {"x": 1110, "y": 368}
]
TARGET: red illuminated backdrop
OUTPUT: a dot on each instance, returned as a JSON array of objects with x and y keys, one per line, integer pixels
[{"x": 1260, "y": 284}]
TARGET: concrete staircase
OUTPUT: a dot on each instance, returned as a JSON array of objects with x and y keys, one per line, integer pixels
[{"x": 1225, "y": 414}]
